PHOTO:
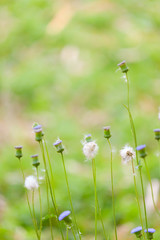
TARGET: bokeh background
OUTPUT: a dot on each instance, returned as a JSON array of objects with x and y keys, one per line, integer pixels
[{"x": 58, "y": 67}]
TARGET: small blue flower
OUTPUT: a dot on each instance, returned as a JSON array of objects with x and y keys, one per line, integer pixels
[
  {"x": 37, "y": 127},
  {"x": 141, "y": 147},
  {"x": 18, "y": 151},
  {"x": 137, "y": 231},
  {"x": 59, "y": 146},
  {"x": 157, "y": 133},
  {"x": 58, "y": 142},
  {"x": 150, "y": 232},
  {"x": 142, "y": 150},
  {"x": 64, "y": 215},
  {"x": 88, "y": 138}
]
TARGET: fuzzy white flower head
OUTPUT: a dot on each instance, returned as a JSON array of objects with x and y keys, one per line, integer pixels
[
  {"x": 90, "y": 149},
  {"x": 127, "y": 153},
  {"x": 31, "y": 183}
]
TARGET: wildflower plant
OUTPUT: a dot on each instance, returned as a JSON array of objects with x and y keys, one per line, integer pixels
[{"x": 90, "y": 149}]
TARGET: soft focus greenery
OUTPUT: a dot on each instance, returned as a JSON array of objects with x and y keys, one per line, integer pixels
[{"x": 58, "y": 67}]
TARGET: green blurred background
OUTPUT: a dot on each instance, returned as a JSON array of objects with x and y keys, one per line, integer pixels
[{"x": 58, "y": 67}]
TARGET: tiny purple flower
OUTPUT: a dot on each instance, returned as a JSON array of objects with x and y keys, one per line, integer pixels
[
  {"x": 18, "y": 147},
  {"x": 37, "y": 127},
  {"x": 141, "y": 147},
  {"x": 150, "y": 230},
  {"x": 58, "y": 142},
  {"x": 123, "y": 67},
  {"x": 137, "y": 229},
  {"x": 142, "y": 150},
  {"x": 38, "y": 132},
  {"x": 157, "y": 133},
  {"x": 59, "y": 146},
  {"x": 64, "y": 215},
  {"x": 18, "y": 151},
  {"x": 107, "y": 133}
]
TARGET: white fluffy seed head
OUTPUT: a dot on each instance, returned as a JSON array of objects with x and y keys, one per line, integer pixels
[
  {"x": 31, "y": 183},
  {"x": 90, "y": 149},
  {"x": 127, "y": 153}
]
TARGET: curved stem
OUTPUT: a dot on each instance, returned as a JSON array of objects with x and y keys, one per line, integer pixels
[
  {"x": 137, "y": 198},
  {"x": 135, "y": 142},
  {"x": 34, "y": 215},
  {"x": 52, "y": 189},
  {"x": 99, "y": 209},
  {"x": 70, "y": 199},
  {"x": 47, "y": 183},
  {"x": 40, "y": 204},
  {"x": 73, "y": 233},
  {"x": 36, "y": 230},
  {"x": 113, "y": 202},
  {"x": 150, "y": 181},
  {"x": 95, "y": 192},
  {"x": 67, "y": 233}
]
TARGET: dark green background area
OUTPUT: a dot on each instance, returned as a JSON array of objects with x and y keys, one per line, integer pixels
[{"x": 58, "y": 67}]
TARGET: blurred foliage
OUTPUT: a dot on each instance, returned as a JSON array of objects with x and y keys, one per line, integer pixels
[{"x": 58, "y": 66}]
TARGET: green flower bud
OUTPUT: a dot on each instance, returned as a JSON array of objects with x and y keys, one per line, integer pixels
[
  {"x": 107, "y": 133},
  {"x": 18, "y": 151},
  {"x": 35, "y": 161},
  {"x": 123, "y": 67}
]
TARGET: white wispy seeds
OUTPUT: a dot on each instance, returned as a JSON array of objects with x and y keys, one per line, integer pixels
[
  {"x": 90, "y": 149},
  {"x": 31, "y": 183},
  {"x": 127, "y": 153}
]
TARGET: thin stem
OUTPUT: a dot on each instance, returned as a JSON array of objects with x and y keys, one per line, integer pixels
[
  {"x": 73, "y": 233},
  {"x": 34, "y": 215},
  {"x": 99, "y": 209},
  {"x": 47, "y": 183},
  {"x": 49, "y": 209},
  {"x": 51, "y": 186},
  {"x": 95, "y": 192},
  {"x": 137, "y": 197},
  {"x": 150, "y": 181},
  {"x": 67, "y": 233},
  {"x": 70, "y": 199},
  {"x": 36, "y": 230},
  {"x": 113, "y": 202},
  {"x": 40, "y": 204},
  {"x": 135, "y": 142}
]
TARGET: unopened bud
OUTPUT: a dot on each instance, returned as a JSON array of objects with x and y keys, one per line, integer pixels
[
  {"x": 107, "y": 133},
  {"x": 18, "y": 151},
  {"x": 35, "y": 161},
  {"x": 123, "y": 67},
  {"x": 59, "y": 146}
]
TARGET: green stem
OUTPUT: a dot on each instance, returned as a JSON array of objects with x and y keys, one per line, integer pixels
[
  {"x": 67, "y": 233},
  {"x": 95, "y": 192},
  {"x": 40, "y": 204},
  {"x": 73, "y": 233},
  {"x": 99, "y": 209},
  {"x": 49, "y": 209},
  {"x": 52, "y": 188},
  {"x": 70, "y": 199},
  {"x": 113, "y": 202},
  {"x": 36, "y": 230},
  {"x": 150, "y": 181},
  {"x": 47, "y": 183},
  {"x": 34, "y": 215},
  {"x": 137, "y": 197},
  {"x": 135, "y": 142}
]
